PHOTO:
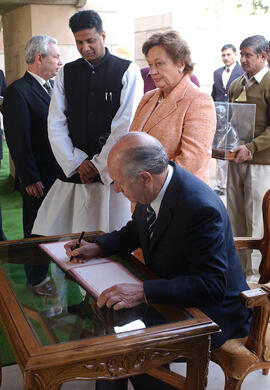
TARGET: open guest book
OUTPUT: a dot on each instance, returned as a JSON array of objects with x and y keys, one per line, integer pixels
[{"x": 95, "y": 275}]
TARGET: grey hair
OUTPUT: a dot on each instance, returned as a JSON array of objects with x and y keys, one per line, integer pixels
[
  {"x": 37, "y": 44},
  {"x": 257, "y": 42},
  {"x": 151, "y": 158}
]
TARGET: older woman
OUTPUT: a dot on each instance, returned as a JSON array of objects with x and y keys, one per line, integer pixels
[{"x": 177, "y": 113}]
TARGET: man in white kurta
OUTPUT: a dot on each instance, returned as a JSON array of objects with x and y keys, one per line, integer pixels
[{"x": 92, "y": 106}]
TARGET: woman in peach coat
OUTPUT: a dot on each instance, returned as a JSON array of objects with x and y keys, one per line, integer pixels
[{"x": 177, "y": 113}]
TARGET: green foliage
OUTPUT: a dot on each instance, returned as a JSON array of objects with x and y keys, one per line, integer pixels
[
  {"x": 250, "y": 7},
  {"x": 11, "y": 201},
  {"x": 256, "y": 7}
]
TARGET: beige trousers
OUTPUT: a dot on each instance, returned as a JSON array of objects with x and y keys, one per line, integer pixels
[
  {"x": 221, "y": 175},
  {"x": 246, "y": 186}
]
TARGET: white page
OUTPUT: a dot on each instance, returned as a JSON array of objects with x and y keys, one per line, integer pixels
[
  {"x": 99, "y": 277},
  {"x": 57, "y": 252}
]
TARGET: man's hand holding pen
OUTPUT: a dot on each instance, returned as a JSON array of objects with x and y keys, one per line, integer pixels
[{"x": 87, "y": 250}]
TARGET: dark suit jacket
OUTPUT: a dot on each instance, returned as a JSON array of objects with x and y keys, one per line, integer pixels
[
  {"x": 3, "y": 84},
  {"x": 219, "y": 93},
  {"x": 193, "y": 253},
  {"x": 25, "y": 111}
]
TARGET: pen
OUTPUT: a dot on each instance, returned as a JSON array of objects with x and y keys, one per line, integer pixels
[{"x": 78, "y": 244}]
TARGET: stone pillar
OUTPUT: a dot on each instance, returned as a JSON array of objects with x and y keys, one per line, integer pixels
[
  {"x": 144, "y": 28},
  {"x": 22, "y": 23}
]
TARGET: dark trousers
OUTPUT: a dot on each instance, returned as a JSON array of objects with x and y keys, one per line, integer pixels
[
  {"x": 30, "y": 209},
  {"x": 2, "y": 235},
  {"x": 48, "y": 171},
  {"x": 35, "y": 274}
]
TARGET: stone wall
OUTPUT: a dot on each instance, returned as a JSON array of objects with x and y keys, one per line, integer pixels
[
  {"x": 205, "y": 35},
  {"x": 22, "y": 23}
]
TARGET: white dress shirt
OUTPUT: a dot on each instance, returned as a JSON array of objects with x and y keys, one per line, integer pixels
[
  {"x": 227, "y": 74},
  {"x": 155, "y": 204}
]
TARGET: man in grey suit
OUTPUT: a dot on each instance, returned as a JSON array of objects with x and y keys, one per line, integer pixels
[
  {"x": 223, "y": 78},
  {"x": 25, "y": 111}
]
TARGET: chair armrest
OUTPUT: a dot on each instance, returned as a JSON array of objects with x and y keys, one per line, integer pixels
[
  {"x": 247, "y": 243},
  {"x": 258, "y": 299},
  {"x": 254, "y": 298}
]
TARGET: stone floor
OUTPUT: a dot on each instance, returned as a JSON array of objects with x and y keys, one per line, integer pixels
[{"x": 12, "y": 379}]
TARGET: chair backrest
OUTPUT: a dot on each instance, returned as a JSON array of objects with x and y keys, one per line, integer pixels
[{"x": 262, "y": 244}]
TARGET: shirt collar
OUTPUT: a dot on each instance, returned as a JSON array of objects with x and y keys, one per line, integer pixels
[
  {"x": 155, "y": 204},
  {"x": 39, "y": 79},
  {"x": 258, "y": 76},
  {"x": 103, "y": 59},
  {"x": 230, "y": 67}
]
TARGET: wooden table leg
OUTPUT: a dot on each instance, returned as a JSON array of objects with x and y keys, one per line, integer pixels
[
  {"x": 197, "y": 366},
  {"x": 55, "y": 387},
  {"x": 35, "y": 382}
]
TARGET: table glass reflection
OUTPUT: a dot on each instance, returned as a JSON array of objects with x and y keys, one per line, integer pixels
[{"x": 73, "y": 314}]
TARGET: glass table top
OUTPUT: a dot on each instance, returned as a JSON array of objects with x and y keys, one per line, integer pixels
[{"x": 73, "y": 314}]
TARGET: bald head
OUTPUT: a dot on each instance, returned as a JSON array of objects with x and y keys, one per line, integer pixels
[
  {"x": 136, "y": 152},
  {"x": 138, "y": 166}
]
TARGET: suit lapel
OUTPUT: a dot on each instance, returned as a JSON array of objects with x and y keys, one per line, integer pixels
[
  {"x": 165, "y": 211},
  {"x": 37, "y": 88},
  {"x": 236, "y": 72},
  {"x": 233, "y": 74},
  {"x": 220, "y": 78},
  {"x": 238, "y": 88}
]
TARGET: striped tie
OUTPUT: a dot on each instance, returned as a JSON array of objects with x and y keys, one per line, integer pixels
[
  {"x": 48, "y": 88},
  {"x": 151, "y": 219}
]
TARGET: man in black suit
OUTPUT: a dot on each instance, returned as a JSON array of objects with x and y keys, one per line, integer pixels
[
  {"x": 189, "y": 243},
  {"x": 25, "y": 111},
  {"x": 3, "y": 84},
  {"x": 223, "y": 78}
]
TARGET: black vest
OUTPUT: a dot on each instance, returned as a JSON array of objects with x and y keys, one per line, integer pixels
[{"x": 93, "y": 98}]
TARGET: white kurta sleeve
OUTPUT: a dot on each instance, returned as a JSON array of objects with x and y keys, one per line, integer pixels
[
  {"x": 131, "y": 95},
  {"x": 67, "y": 156}
]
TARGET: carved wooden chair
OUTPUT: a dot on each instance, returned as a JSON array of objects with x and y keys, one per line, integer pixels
[{"x": 239, "y": 357}]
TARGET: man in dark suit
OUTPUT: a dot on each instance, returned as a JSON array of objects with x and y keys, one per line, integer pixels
[
  {"x": 3, "y": 84},
  {"x": 223, "y": 78},
  {"x": 25, "y": 111},
  {"x": 188, "y": 244}
]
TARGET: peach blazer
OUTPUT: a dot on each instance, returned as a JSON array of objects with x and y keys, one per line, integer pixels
[{"x": 184, "y": 123}]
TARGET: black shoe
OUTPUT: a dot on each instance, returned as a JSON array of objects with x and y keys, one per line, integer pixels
[{"x": 219, "y": 193}]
